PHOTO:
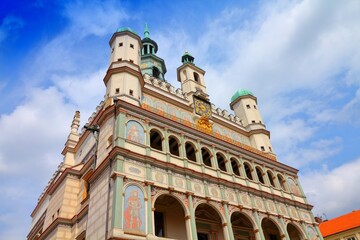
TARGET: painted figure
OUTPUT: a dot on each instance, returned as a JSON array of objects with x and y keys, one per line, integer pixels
[
  {"x": 135, "y": 132},
  {"x": 132, "y": 212}
]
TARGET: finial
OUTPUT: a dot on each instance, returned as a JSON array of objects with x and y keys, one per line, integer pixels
[
  {"x": 146, "y": 31},
  {"x": 75, "y": 123}
]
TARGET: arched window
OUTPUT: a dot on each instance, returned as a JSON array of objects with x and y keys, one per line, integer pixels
[
  {"x": 221, "y": 161},
  {"x": 190, "y": 151},
  {"x": 248, "y": 171},
  {"x": 155, "y": 140},
  {"x": 206, "y": 157},
  {"x": 260, "y": 175},
  {"x": 271, "y": 178},
  {"x": 281, "y": 182},
  {"x": 196, "y": 77},
  {"x": 174, "y": 146},
  {"x": 155, "y": 72},
  {"x": 235, "y": 166}
]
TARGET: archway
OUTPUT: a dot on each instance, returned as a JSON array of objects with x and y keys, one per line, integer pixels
[
  {"x": 169, "y": 218},
  {"x": 208, "y": 223},
  {"x": 293, "y": 232},
  {"x": 242, "y": 226},
  {"x": 270, "y": 230}
]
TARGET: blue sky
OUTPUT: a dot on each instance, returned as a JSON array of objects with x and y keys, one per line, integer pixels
[{"x": 300, "y": 58}]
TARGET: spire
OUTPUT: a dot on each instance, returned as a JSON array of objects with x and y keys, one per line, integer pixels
[{"x": 146, "y": 31}]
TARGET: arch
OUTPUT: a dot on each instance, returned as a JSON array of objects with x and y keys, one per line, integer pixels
[
  {"x": 171, "y": 208},
  {"x": 221, "y": 161},
  {"x": 242, "y": 225},
  {"x": 135, "y": 132},
  {"x": 174, "y": 146},
  {"x": 156, "y": 139},
  {"x": 271, "y": 230},
  {"x": 209, "y": 222},
  {"x": 281, "y": 181},
  {"x": 294, "y": 188},
  {"x": 196, "y": 77},
  {"x": 235, "y": 166},
  {"x": 271, "y": 177},
  {"x": 190, "y": 151},
  {"x": 294, "y": 232},
  {"x": 259, "y": 174},
  {"x": 206, "y": 156},
  {"x": 248, "y": 170}
]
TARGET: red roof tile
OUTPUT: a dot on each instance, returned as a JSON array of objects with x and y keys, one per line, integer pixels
[{"x": 340, "y": 224}]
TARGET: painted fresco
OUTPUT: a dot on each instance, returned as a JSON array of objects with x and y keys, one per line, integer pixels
[
  {"x": 312, "y": 233},
  {"x": 135, "y": 132},
  {"x": 184, "y": 117},
  {"x": 134, "y": 210},
  {"x": 293, "y": 187}
]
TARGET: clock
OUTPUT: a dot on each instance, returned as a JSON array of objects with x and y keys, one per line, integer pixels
[{"x": 202, "y": 107}]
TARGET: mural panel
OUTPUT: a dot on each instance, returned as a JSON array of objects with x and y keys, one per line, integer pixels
[
  {"x": 293, "y": 187},
  {"x": 134, "y": 210},
  {"x": 135, "y": 132},
  {"x": 312, "y": 233}
]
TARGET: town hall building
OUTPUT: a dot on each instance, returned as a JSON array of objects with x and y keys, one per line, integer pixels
[{"x": 159, "y": 162}]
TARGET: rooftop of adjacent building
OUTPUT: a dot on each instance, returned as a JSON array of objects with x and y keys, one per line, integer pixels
[{"x": 342, "y": 223}]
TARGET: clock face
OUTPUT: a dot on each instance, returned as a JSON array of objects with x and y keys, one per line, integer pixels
[{"x": 202, "y": 107}]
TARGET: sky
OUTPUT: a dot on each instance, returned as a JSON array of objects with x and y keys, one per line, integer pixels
[{"x": 300, "y": 58}]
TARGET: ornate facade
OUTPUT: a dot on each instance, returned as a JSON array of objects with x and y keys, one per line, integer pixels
[{"x": 156, "y": 162}]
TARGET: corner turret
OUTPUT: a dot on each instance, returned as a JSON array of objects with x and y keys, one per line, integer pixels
[
  {"x": 244, "y": 104},
  {"x": 123, "y": 79}
]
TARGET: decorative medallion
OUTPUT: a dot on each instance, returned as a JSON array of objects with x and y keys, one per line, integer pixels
[{"x": 204, "y": 124}]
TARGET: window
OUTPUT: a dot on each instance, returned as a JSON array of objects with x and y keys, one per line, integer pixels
[
  {"x": 117, "y": 90},
  {"x": 120, "y": 44},
  {"x": 351, "y": 238},
  {"x": 174, "y": 146},
  {"x": 131, "y": 92},
  {"x": 262, "y": 148},
  {"x": 132, "y": 45},
  {"x": 248, "y": 171},
  {"x": 112, "y": 50},
  {"x": 119, "y": 59},
  {"x": 132, "y": 61},
  {"x": 248, "y": 106},
  {"x": 159, "y": 224},
  {"x": 270, "y": 149},
  {"x": 196, "y": 77},
  {"x": 260, "y": 175},
  {"x": 221, "y": 161},
  {"x": 253, "y": 121},
  {"x": 155, "y": 72},
  {"x": 155, "y": 140},
  {"x": 202, "y": 236},
  {"x": 190, "y": 151},
  {"x": 86, "y": 185},
  {"x": 281, "y": 182},
  {"x": 206, "y": 157},
  {"x": 235, "y": 166},
  {"x": 271, "y": 178},
  {"x": 255, "y": 106}
]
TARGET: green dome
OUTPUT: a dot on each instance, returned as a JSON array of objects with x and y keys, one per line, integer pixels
[
  {"x": 240, "y": 93},
  {"x": 123, "y": 29}
]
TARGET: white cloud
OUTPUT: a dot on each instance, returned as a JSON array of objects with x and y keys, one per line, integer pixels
[
  {"x": 10, "y": 25},
  {"x": 333, "y": 192}
]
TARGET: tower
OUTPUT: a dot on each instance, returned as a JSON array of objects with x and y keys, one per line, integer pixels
[
  {"x": 150, "y": 63},
  {"x": 191, "y": 77},
  {"x": 123, "y": 79},
  {"x": 244, "y": 104}
]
